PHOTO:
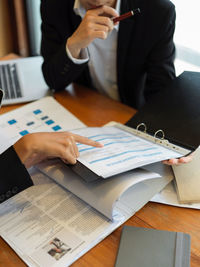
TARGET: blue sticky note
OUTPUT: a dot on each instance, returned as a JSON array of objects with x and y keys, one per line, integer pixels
[
  {"x": 22, "y": 133},
  {"x": 49, "y": 122},
  {"x": 12, "y": 121},
  {"x": 56, "y": 128},
  {"x": 37, "y": 111}
]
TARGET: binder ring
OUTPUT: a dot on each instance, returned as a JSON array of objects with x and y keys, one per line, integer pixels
[
  {"x": 156, "y": 133},
  {"x": 143, "y": 125}
]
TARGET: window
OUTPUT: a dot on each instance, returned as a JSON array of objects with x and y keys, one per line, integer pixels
[
  {"x": 187, "y": 35},
  {"x": 34, "y": 23}
]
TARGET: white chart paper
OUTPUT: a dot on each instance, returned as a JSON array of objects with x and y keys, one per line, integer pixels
[{"x": 122, "y": 151}]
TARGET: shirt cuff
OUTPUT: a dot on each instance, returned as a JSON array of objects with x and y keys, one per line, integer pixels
[{"x": 84, "y": 56}]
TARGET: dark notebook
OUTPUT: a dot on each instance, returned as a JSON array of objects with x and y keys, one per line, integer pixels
[
  {"x": 153, "y": 248},
  {"x": 175, "y": 110}
]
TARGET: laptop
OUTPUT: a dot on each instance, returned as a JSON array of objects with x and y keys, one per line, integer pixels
[{"x": 22, "y": 80}]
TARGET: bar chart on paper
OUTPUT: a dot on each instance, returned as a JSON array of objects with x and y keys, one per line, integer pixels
[
  {"x": 122, "y": 151},
  {"x": 45, "y": 115}
]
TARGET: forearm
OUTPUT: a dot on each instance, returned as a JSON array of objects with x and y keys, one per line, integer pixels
[{"x": 58, "y": 69}]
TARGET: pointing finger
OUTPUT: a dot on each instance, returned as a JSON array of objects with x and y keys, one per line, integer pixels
[{"x": 86, "y": 141}]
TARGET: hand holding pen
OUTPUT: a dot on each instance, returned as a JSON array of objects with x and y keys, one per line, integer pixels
[
  {"x": 94, "y": 25},
  {"x": 97, "y": 23}
]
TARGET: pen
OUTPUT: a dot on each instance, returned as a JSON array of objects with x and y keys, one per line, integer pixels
[{"x": 126, "y": 15}]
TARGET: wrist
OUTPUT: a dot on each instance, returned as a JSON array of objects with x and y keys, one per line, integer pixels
[
  {"x": 25, "y": 150},
  {"x": 73, "y": 48}
]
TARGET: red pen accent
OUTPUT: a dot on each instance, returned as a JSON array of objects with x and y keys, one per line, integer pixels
[{"x": 126, "y": 15}]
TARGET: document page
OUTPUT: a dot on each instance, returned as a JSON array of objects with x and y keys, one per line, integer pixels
[
  {"x": 100, "y": 194},
  {"x": 5, "y": 143},
  {"x": 169, "y": 196},
  {"x": 49, "y": 226},
  {"x": 44, "y": 115},
  {"x": 122, "y": 151}
]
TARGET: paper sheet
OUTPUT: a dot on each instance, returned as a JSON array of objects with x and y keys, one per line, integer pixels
[
  {"x": 168, "y": 196},
  {"x": 49, "y": 226},
  {"x": 122, "y": 151},
  {"x": 188, "y": 180},
  {"x": 5, "y": 142},
  {"x": 100, "y": 194},
  {"x": 45, "y": 114}
]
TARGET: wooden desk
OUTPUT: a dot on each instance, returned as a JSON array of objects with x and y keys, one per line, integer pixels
[{"x": 96, "y": 110}]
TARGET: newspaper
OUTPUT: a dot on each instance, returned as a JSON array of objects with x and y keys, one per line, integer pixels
[{"x": 48, "y": 225}]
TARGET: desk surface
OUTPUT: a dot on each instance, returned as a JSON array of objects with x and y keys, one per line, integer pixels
[{"x": 95, "y": 110}]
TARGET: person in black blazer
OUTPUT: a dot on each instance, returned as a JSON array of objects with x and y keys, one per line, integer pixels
[
  {"x": 144, "y": 54},
  {"x": 30, "y": 150}
]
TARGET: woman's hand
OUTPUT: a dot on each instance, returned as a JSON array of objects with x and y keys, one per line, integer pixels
[
  {"x": 97, "y": 23},
  {"x": 179, "y": 161},
  {"x": 36, "y": 147}
]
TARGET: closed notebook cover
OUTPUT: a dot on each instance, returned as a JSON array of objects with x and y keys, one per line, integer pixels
[
  {"x": 153, "y": 248},
  {"x": 188, "y": 180},
  {"x": 175, "y": 110}
]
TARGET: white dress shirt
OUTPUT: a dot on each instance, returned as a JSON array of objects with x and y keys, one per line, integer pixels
[{"x": 102, "y": 56}]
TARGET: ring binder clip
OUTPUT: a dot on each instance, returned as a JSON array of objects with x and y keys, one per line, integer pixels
[
  {"x": 139, "y": 125},
  {"x": 156, "y": 133}
]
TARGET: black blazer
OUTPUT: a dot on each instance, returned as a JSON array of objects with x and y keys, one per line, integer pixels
[
  {"x": 145, "y": 51},
  {"x": 14, "y": 176}
]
